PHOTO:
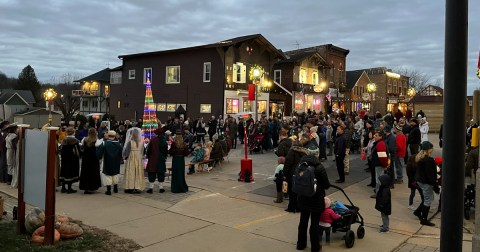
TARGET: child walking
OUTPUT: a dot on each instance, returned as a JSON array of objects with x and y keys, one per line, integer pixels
[
  {"x": 326, "y": 219},
  {"x": 384, "y": 202},
  {"x": 279, "y": 179}
]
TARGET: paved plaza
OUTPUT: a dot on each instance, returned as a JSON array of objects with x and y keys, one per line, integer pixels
[{"x": 221, "y": 214}]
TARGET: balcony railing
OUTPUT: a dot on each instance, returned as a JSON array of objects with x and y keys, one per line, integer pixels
[{"x": 85, "y": 93}]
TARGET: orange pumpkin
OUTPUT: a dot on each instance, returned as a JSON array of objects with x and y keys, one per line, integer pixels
[{"x": 39, "y": 235}]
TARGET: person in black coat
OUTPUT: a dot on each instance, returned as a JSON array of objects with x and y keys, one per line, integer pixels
[
  {"x": 284, "y": 145},
  {"x": 340, "y": 151},
  {"x": 312, "y": 207},
  {"x": 384, "y": 201},
  {"x": 414, "y": 137},
  {"x": 426, "y": 177},
  {"x": 292, "y": 159}
]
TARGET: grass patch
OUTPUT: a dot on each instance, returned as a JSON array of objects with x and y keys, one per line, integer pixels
[{"x": 93, "y": 239}]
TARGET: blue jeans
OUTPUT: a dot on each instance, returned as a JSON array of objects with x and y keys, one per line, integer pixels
[
  {"x": 398, "y": 168},
  {"x": 428, "y": 196}
]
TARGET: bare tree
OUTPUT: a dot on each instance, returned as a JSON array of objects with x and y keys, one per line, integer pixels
[
  {"x": 64, "y": 85},
  {"x": 418, "y": 80}
]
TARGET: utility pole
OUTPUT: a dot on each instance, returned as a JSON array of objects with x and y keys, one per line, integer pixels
[{"x": 456, "y": 47}]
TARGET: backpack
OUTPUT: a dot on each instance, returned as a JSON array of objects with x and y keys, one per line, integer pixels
[{"x": 304, "y": 181}]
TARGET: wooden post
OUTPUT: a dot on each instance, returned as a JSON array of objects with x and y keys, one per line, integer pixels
[
  {"x": 21, "y": 204},
  {"x": 50, "y": 188}
]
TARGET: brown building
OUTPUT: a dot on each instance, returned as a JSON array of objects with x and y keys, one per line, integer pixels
[
  {"x": 358, "y": 97},
  {"x": 315, "y": 76},
  {"x": 430, "y": 101},
  {"x": 391, "y": 90},
  {"x": 206, "y": 80}
]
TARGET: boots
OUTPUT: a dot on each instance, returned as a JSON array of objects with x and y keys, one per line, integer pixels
[
  {"x": 279, "y": 198},
  {"x": 64, "y": 190},
  {"x": 418, "y": 212},
  {"x": 425, "y": 220},
  {"x": 115, "y": 188},
  {"x": 70, "y": 190},
  {"x": 108, "y": 192},
  {"x": 191, "y": 170}
]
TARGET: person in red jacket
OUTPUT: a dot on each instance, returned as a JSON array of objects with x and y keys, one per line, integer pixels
[
  {"x": 379, "y": 157},
  {"x": 401, "y": 142},
  {"x": 326, "y": 219}
]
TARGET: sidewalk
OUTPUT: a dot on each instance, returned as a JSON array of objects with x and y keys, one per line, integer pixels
[{"x": 221, "y": 214}]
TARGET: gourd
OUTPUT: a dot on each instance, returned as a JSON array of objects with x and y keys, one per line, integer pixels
[
  {"x": 69, "y": 230},
  {"x": 39, "y": 235},
  {"x": 34, "y": 220}
]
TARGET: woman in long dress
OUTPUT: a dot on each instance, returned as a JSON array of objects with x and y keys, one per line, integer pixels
[
  {"x": 90, "y": 179},
  {"x": 133, "y": 153},
  {"x": 178, "y": 150}
]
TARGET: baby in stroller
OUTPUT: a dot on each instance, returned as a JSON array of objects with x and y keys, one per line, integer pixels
[{"x": 257, "y": 144}]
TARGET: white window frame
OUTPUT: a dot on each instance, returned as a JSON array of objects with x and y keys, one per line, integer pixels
[
  {"x": 207, "y": 70},
  {"x": 166, "y": 75},
  {"x": 315, "y": 79},
  {"x": 277, "y": 74},
  {"x": 131, "y": 74},
  {"x": 145, "y": 75},
  {"x": 302, "y": 76},
  {"x": 239, "y": 69}
]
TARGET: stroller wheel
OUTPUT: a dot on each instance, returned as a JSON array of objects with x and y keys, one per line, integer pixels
[
  {"x": 360, "y": 232},
  {"x": 349, "y": 239}
]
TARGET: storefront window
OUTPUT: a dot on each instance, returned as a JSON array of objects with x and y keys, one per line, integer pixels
[
  {"x": 262, "y": 106},
  {"x": 232, "y": 106},
  {"x": 298, "y": 102},
  {"x": 308, "y": 102},
  {"x": 247, "y": 105}
]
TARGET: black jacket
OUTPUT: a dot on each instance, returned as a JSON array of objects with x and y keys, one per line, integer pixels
[
  {"x": 414, "y": 137},
  {"x": 292, "y": 160},
  {"x": 384, "y": 199},
  {"x": 283, "y": 147},
  {"x": 316, "y": 203},
  {"x": 340, "y": 146},
  {"x": 426, "y": 171}
]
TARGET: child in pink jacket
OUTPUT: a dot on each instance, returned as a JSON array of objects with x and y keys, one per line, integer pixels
[{"x": 326, "y": 219}]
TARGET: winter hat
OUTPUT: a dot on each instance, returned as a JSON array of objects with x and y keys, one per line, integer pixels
[
  {"x": 426, "y": 145},
  {"x": 281, "y": 160},
  {"x": 438, "y": 161},
  {"x": 314, "y": 129},
  {"x": 328, "y": 202},
  {"x": 387, "y": 129},
  {"x": 398, "y": 127},
  {"x": 112, "y": 133}
]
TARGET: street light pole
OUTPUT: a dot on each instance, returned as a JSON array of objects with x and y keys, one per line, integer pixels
[{"x": 49, "y": 95}]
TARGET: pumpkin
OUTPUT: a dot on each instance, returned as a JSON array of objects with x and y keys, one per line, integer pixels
[
  {"x": 69, "y": 230},
  {"x": 61, "y": 219},
  {"x": 34, "y": 220},
  {"x": 39, "y": 235}
]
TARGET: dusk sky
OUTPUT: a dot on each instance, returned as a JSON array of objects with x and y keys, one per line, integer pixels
[{"x": 82, "y": 37}]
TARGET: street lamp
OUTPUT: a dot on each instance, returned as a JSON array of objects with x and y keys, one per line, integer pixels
[
  {"x": 371, "y": 89},
  {"x": 256, "y": 74},
  {"x": 411, "y": 92},
  {"x": 49, "y": 95}
]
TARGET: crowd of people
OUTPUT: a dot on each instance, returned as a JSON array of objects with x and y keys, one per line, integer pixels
[{"x": 93, "y": 154}]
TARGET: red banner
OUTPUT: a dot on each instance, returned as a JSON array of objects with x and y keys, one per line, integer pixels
[{"x": 251, "y": 92}]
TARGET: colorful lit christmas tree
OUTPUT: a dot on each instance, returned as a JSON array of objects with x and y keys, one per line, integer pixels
[{"x": 149, "y": 115}]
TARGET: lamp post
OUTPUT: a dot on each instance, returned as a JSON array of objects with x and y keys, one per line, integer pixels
[
  {"x": 257, "y": 73},
  {"x": 371, "y": 89},
  {"x": 49, "y": 95},
  {"x": 411, "y": 92}
]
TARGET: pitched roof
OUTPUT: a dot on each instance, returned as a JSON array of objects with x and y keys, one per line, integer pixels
[
  {"x": 102, "y": 75},
  {"x": 300, "y": 55},
  {"x": 223, "y": 43},
  {"x": 352, "y": 78},
  {"x": 316, "y": 48},
  {"x": 426, "y": 99},
  {"x": 116, "y": 68},
  {"x": 26, "y": 95},
  {"x": 36, "y": 111}
]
